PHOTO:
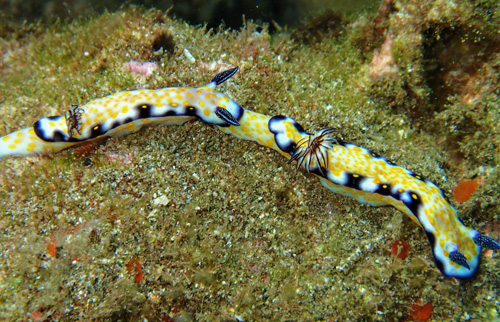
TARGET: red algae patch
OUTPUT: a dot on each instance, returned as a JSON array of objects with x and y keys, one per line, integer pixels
[
  {"x": 134, "y": 267},
  {"x": 421, "y": 312},
  {"x": 400, "y": 249},
  {"x": 85, "y": 150},
  {"x": 51, "y": 248},
  {"x": 464, "y": 190}
]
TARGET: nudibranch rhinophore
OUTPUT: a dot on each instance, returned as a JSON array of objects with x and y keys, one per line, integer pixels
[{"x": 342, "y": 167}]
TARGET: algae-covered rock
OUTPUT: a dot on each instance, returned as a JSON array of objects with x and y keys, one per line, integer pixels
[{"x": 223, "y": 229}]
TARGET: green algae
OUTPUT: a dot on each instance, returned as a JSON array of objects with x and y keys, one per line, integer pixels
[{"x": 239, "y": 233}]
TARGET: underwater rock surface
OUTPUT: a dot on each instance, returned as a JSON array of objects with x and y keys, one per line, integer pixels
[{"x": 161, "y": 225}]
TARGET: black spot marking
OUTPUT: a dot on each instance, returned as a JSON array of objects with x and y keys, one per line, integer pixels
[
  {"x": 290, "y": 146},
  {"x": 280, "y": 118},
  {"x": 115, "y": 125},
  {"x": 417, "y": 176},
  {"x": 59, "y": 136},
  {"x": 384, "y": 189},
  {"x": 342, "y": 143},
  {"x": 299, "y": 127},
  {"x": 432, "y": 241},
  {"x": 445, "y": 198},
  {"x": 396, "y": 195},
  {"x": 413, "y": 203},
  {"x": 169, "y": 113},
  {"x": 38, "y": 130},
  {"x": 238, "y": 114},
  {"x": 275, "y": 119},
  {"x": 96, "y": 131},
  {"x": 56, "y": 136},
  {"x": 377, "y": 156},
  {"x": 191, "y": 111},
  {"x": 319, "y": 171},
  {"x": 144, "y": 111},
  {"x": 354, "y": 180}
]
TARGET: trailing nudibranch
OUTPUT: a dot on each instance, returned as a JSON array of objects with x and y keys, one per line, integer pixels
[
  {"x": 342, "y": 167},
  {"x": 356, "y": 172}
]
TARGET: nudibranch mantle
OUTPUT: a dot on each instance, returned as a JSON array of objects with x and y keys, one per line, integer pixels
[{"x": 342, "y": 167}]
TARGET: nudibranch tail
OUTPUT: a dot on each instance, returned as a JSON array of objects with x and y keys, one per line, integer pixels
[
  {"x": 25, "y": 142},
  {"x": 56, "y": 129}
]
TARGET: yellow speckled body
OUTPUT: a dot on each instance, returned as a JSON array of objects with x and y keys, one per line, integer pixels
[
  {"x": 254, "y": 127},
  {"x": 435, "y": 213},
  {"x": 120, "y": 105}
]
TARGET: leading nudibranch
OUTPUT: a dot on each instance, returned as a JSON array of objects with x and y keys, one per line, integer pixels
[
  {"x": 343, "y": 168},
  {"x": 125, "y": 112}
]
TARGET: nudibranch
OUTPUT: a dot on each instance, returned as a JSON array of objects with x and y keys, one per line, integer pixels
[
  {"x": 123, "y": 113},
  {"x": 342, "y": 167},
  {"x": 356, "y": 172}
]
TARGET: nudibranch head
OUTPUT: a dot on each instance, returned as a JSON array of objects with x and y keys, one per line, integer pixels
[
  {"x": 455, "y": 252},
  {"x": 457, "y": 255}
]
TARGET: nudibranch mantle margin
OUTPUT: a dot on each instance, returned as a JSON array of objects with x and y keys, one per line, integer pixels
[{"x": 342, "y": 167}]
